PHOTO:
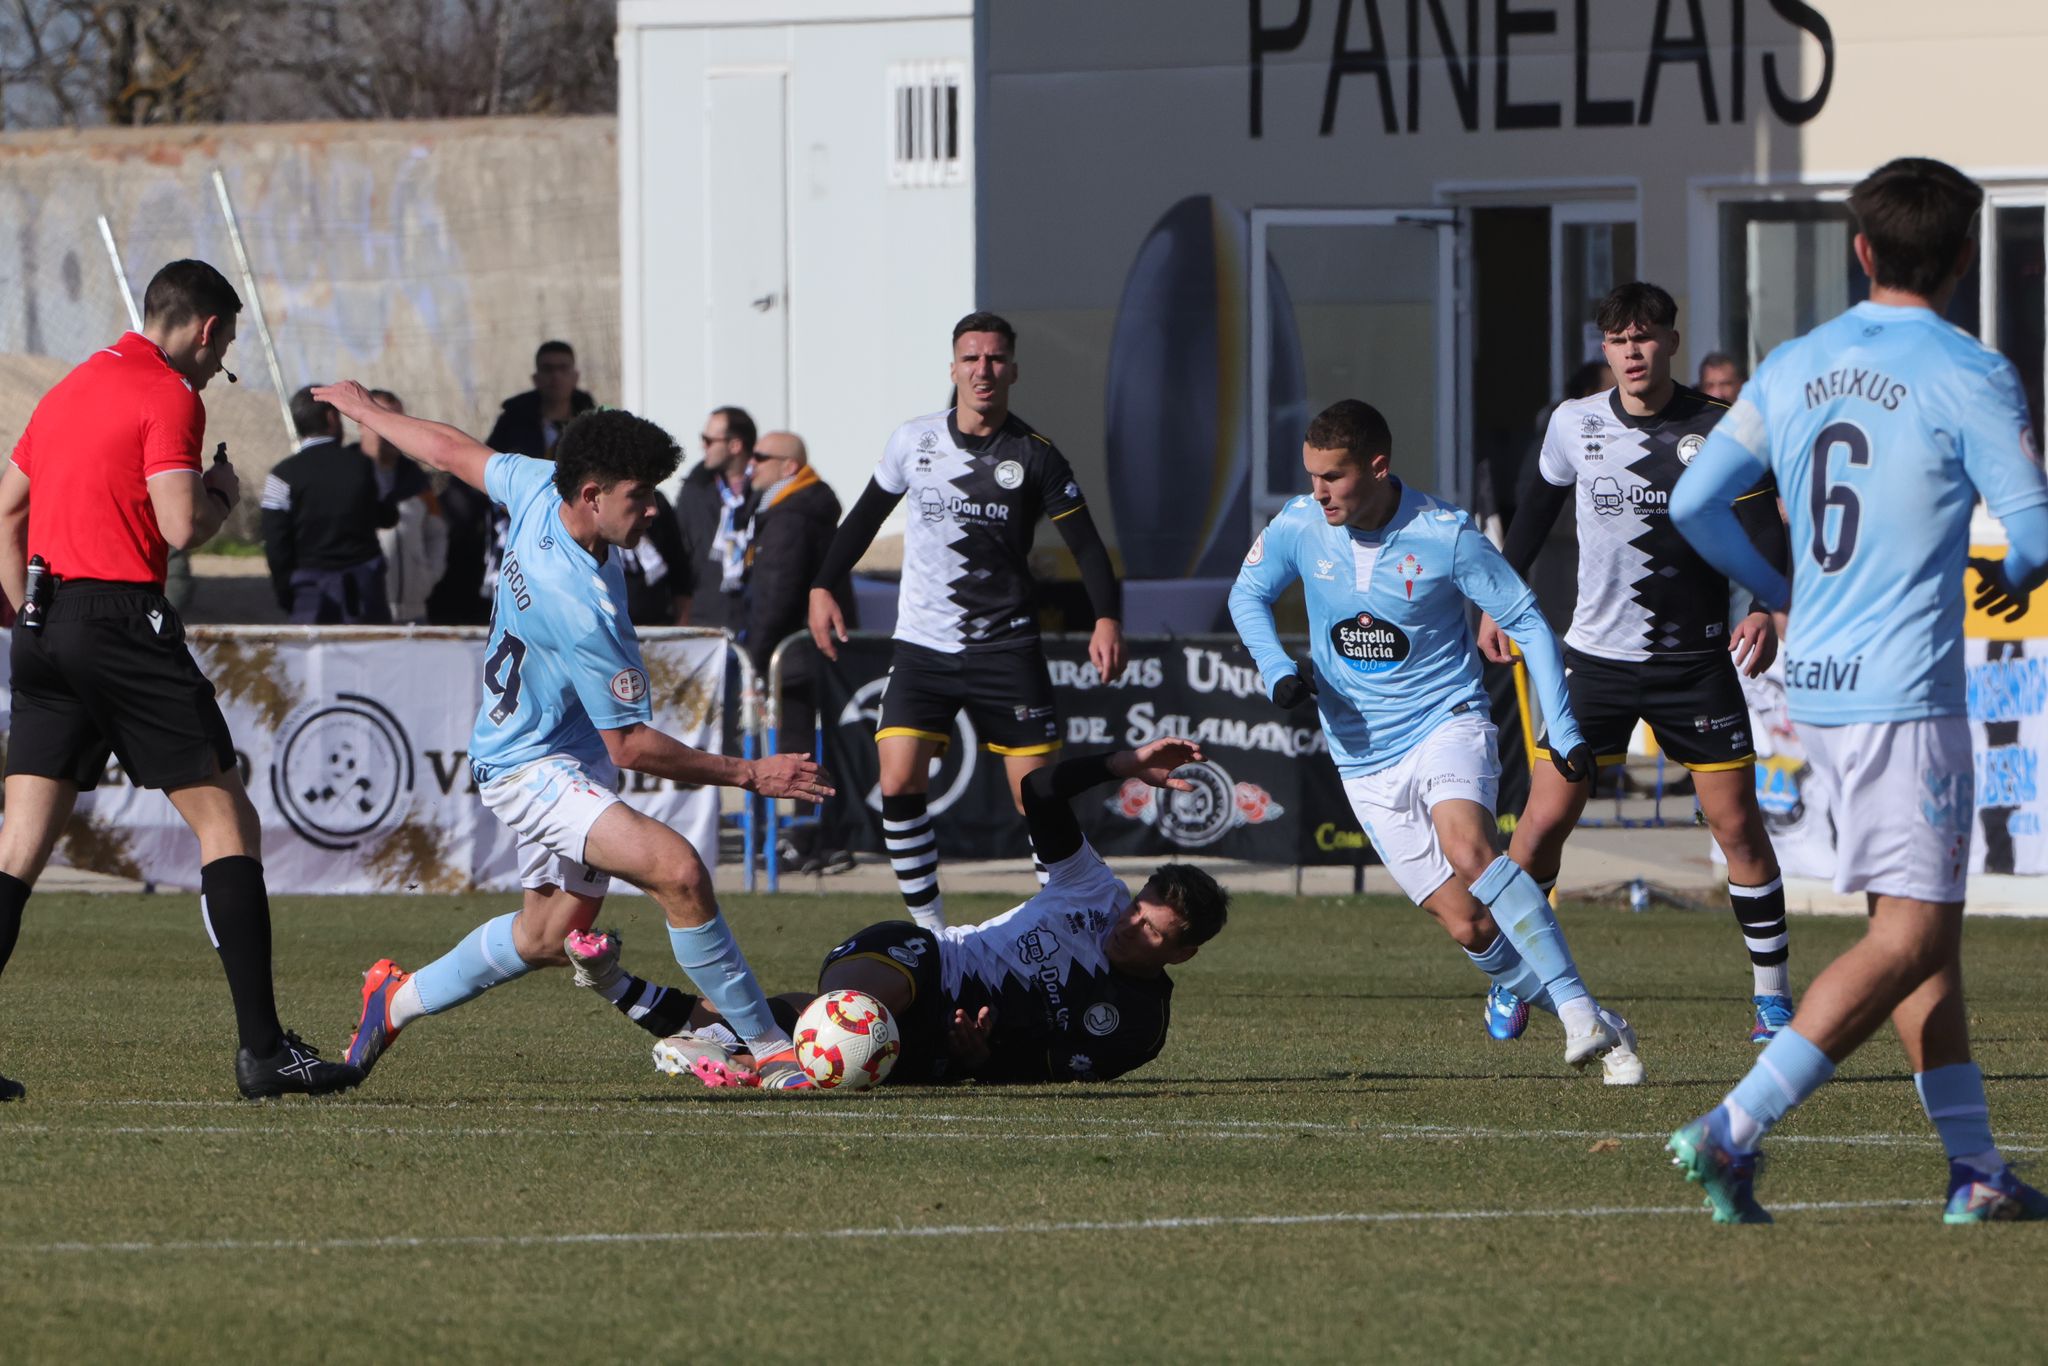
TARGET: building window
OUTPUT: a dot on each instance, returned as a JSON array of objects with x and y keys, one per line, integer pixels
[
  {"x": 2018, "y": 302},
  {"x": 925, "y": 132}
]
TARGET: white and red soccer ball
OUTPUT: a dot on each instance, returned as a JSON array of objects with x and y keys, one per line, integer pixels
[{"x": 846, "y": 1039}]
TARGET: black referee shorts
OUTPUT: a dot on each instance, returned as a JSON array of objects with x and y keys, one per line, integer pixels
[
  {"x": 1007, "y": 694},
  {"x": 109, "y": 674}
]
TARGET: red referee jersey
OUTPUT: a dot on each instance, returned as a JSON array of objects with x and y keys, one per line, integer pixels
[{"x": 91, "y": 447}]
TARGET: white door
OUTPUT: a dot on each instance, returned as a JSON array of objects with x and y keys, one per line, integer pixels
[
  {"x": 1354, "y": 303},
  {"x": 746, "y": 232}
]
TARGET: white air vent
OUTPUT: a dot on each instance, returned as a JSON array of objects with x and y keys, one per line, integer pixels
[{"x": 927, "y": 124}]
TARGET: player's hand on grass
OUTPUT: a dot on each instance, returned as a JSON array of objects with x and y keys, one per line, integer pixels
[
  {"x": 1494, "y": 642},
  {"x": 828, "y": 623},
  {"x": 1577, "y": 765},
  {"x": 1994, "y": 594},
  {"x": 1754, "y": 644},
  {"x": 1154, "y": 764},
  {"x": 1295, "y": 689},
  {"x": 967, "y": 1040},
  {"x": 1106, "y": 649},
  {"x": 796, "y": 776}
]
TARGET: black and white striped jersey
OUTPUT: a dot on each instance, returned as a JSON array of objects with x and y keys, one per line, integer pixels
[
  {"x": 971, "y": 507},
  {"x": 1644, "y": 592}
]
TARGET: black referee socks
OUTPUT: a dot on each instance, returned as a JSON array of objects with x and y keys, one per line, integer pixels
[
  {"x": 13, "y": 896},
  {"x": 236, "y": 909}
]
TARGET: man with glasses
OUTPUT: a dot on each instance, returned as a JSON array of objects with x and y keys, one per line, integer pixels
[
  {"x": 716, "y": 509},
  {"x": 795, "y": 514}
]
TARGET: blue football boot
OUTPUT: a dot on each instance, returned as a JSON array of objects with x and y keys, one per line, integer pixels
[{"x": 1707, "y": 1156}]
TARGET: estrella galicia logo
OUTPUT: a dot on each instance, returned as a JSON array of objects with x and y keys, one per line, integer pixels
[
  {"x": 340, "y": 770},
  {"x": 1370, "y": 645}
]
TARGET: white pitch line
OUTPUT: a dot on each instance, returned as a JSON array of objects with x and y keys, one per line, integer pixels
[
  {"x": 891, "y": 1233},
  {"x": 1109, "y": 1131},
  {"x": 429, "y": 1131}
]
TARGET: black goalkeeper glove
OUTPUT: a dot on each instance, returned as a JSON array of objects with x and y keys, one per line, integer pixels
[
  {"x": 1293, "y": 690},
  {"x": 1994, "y": 594},
  {"x": 1578, "y": 765}
]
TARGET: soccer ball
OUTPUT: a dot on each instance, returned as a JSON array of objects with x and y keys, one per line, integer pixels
[{"x": 846, "y": 1039}]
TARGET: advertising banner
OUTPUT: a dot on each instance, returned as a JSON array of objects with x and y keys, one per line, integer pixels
[
  {"x": 2007, "y": 669},
  {"x": 1265, "y": 791},
  {"x": 354, "y": 748}
]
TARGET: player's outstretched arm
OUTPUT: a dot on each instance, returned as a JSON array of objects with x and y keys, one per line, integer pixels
[
  {"x": 1055, "y": 833},
  {"x": 643, "y": 749},
  {"x": 1482, "y": 574},
  {"x": 1703, "y": 510},
  {"x": 431, "y": 443},
  {"x": 1267, "y": 572},
  {"x": 849, "y": 543}
]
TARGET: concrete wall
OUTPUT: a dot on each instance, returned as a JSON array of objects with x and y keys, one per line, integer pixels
[{"x": 428, "y": 258}]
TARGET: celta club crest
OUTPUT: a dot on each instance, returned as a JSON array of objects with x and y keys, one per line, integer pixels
[{"x": 1410, "y": 569}]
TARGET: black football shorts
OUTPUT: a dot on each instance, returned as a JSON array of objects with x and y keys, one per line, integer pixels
[
  {"x": 109, "y": 674},
  {"x": 1693, "y": 702},
  {"x": 1007, "y": 694}
]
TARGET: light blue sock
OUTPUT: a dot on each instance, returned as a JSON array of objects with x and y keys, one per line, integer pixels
[
  {"x": 1527, "y": 922},
  {"x": 1953, "y": 1097},
  {"x": 1788, "y": 1071},
  {"x": 483, "y": 960},
  {"x": 712, "y": 957},
  {"x": 1500, "y": 962}
]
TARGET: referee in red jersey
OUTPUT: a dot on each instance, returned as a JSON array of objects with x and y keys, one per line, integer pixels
[{"x": 103, "y": 482}]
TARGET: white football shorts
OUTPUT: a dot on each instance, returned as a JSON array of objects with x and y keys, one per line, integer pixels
[
  {"x": 1460, "y": 759},
  {"x": 550, "y": 804},
  {"x": 1903, "y": 794}
]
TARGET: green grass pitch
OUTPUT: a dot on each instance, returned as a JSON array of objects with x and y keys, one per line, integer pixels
[{"x": 1329, "y": 1162}]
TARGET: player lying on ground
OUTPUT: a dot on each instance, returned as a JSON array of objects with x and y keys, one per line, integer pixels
[
  {"x": 1650, "y": 637},
  {"x": 1387, "y": 571},
  {"x": 566, "y": 707},
  {"x": 1069, "y": 986},
  {"x": 1884, "y": 426}
]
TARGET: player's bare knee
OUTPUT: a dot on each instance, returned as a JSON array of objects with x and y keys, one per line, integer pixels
[{"x": 1469, "y": 858}]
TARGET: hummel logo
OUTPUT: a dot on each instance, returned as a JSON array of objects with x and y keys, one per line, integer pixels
[{"x": 156, "y": 621}]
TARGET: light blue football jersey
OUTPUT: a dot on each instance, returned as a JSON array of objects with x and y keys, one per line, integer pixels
[
  {"x": 1882, "y": 427},
  {"x": 1390, "y": 637},
  {"x": 563, "y": 662}
]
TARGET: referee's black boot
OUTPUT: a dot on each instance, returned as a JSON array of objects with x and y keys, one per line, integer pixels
[
  {"x": 11, "y": 1090},
  {"x": 295, "y": 1069}
]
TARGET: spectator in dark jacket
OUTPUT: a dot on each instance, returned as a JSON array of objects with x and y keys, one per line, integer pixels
[
  {"x": 528, "y": 424},
  {"x": 795, "y": 514},
  {"x": 714, "y": 508},
  {"x": 531, "y": 423},
  {"x": 321, "y": 514}
]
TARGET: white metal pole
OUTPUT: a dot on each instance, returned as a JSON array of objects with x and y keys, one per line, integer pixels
[
  {"x": 284, "y": 402},
  {"x": 120, "y": 273}
]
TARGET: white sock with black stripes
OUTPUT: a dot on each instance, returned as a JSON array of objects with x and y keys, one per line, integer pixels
[
  {"x": 914, "y": 857},
  {"x": 659, "y": 1010},
  {"x": 1761, "y": 911}
]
